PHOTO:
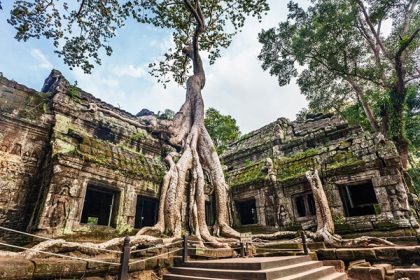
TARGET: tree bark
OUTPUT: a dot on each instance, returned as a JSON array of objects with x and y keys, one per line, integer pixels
[
  {"x": 325, "y": 224},
  {"x": 198, "y": 160},
  {"x": 398, "y": 97},
  {"x": 365, "y": 105}
]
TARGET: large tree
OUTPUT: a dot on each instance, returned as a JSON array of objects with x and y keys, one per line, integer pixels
[
  {"x": 341, "y": 52},
  {"x": 81, "y": 29}
]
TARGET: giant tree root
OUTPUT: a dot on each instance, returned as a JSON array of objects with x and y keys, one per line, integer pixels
[
  {"x": 60, "y": 246},
  {"x": 275, "y": 236},
  {"x": 332, "y": 240}
]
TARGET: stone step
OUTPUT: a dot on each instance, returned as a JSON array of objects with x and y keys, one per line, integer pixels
[
  {"x": 313, "y": 274},
  {"x": 335, "y": 276},
  {"x": 248, "y": 263},
  {"x": 184, "y": 277},
  {"x": 265, "y": 274},
  {"x": 291, "y": 245}
]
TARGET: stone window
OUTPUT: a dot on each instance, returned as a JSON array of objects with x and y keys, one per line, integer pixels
[
  {"x": 358, "y": 199},
  {"x": 247, "y": 212},
  {"x": 100, "y": 206},
  {"x": 304, "y": 205},
  {"x": 146, "y": 211}
]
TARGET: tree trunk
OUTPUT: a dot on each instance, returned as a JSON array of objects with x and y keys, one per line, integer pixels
[
  {"x": 198, "y": 160},
  {"x": 365, "y": 105},
  {"x": 398, "y": 98},
  {"x": 325, "y": 224}
]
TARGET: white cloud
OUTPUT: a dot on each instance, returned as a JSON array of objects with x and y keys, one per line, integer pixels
[
  {"x": 130, "y": 71},
  {"x": 42, "y": 60},
  {"x": 237, "y": 85}
]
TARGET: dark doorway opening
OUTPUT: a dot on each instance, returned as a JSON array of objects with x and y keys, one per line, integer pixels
[
  {"x": 304, "y": 205},
  {"x": 247, "y": 212},
  {"x": 146, "y": 212},
  {"x": 100, "y": 206},
  {"x": 358, "y": 200},
  {"x": 210, "y": 212}
]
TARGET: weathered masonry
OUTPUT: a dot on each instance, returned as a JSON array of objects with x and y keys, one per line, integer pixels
[
  {"x": 66, "y": 167},
  {"x": 71, "y": 163},
  {"x": 361, "y": 176}
]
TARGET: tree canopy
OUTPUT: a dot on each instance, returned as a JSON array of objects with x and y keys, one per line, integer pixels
[
  {"x": 81, "y": 30},
  {"x": 341, "y": 54},
  {"x": 222, "y": 129}
]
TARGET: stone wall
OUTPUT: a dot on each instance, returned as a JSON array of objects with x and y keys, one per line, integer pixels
[
  {"x": 344, "y": 155},
  {"x": 95, "y": 147},
  {"x": 25, "y": 122},
  {"x": 54, "y": 145}
]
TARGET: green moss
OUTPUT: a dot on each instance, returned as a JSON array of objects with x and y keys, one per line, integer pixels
[
  {"x": 377, "y": 208},
  {"x": 140, "y": 135},
  {"x": 293, "y": 226},
  {"x": 295, "y": 165},
  {"x": 343, "y": 228},
  {"x": 386, "y": 226},
  {"x": 62, "y": 147},
  {"x": 248, "y": 162},
  {"x": 74, "y": 93},
  {"x": 248, "y": 174}
]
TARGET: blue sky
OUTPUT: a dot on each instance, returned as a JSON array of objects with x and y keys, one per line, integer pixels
[{"x": 236, "y": 84}]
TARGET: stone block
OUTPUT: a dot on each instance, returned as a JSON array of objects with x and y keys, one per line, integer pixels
[
  {"x": 359, "y": 273},
  {"x": 94, "y": 267},
  {"x": 388, "y": 254},
  {"x": 359, "y": 263},
  {"x": 137, "y": 266},
  {"x": 364, "y": 253},
  {"x": 56, "y": 268},
  {"x": 366, "y": 273},
  {"x": 377, "y": 273},
  {"x": 337, "y": 264},
  {"x": 385, "y": 266},
  {"x": 151, "y": 264},
  {"x": 345, "y": 254},
  {"x": 408, "y": 253},
  {"x": 326, "y": 254},
  {"x": 14, "y": 268},
  {"x": 410, "y": 273},
  {"x": 143, "y": 275}
]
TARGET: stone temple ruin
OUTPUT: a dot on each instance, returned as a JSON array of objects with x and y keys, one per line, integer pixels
[{"x": 66, "y": 169}]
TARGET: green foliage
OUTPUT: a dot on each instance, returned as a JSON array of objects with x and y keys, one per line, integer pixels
[
  {"x": 412, "y": 118},
  {"x": 81, "y": 30},
  {"x": 168, "y": 114},
  {"x": 222, "y": 129}
]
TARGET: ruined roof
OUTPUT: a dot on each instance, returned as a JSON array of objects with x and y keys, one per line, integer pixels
[{"x": 322, "y": 141}]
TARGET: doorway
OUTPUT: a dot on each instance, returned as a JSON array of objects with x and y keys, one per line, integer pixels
[
  {"x": 247, "y": 212},
  {"x": 146, "y": 212}
]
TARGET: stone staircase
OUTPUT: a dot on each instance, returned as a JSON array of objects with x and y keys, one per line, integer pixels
[{"x": 265, "y": 268}]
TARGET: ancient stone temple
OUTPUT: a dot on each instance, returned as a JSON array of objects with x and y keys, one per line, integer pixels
[
  {"x": 360, "y": 174},
  {"x": 67, "y": 166},
  {"x": 72, "y": 163}
]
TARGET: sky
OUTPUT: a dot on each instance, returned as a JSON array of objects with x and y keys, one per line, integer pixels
[{"x": 236, "y": 84}]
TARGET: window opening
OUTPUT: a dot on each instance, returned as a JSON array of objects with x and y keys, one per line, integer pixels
[
  {"x": 358, "y": 200},
  {"x": 304, "y": 205},
  {"x": 99, "y": 207}
]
